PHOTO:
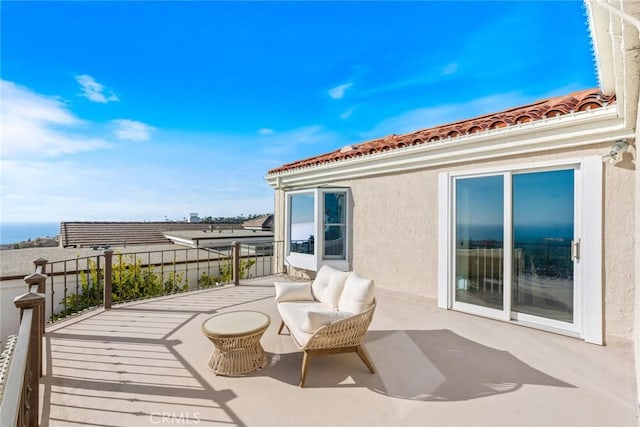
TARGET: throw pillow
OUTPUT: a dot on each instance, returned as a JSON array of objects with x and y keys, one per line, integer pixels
[
  {"x": 357, "y": 295},
  {"x": 331, "y": 294},
  {"x": 292, "y": 291},
  {"x": 316, "y": 319},
  {"x": 322, "y": 280}
]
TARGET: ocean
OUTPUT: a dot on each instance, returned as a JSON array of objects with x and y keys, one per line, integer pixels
[
  {"x": 14, "y": 232},
  {"x": 302, "y": 231}
]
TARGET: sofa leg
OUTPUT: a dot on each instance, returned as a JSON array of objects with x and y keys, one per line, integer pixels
[
  {"x": 363, "y": 356},
  {"x": 305, "y": 365},
  {"x": 281, "y": 327}
]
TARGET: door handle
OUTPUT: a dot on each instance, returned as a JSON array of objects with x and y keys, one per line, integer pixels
[{"x": 575, "y": 250}]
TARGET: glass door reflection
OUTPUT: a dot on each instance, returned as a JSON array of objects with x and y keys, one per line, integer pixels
[
  {"x": 543, "y": 231},
  {"x": 479, "y": 228}
]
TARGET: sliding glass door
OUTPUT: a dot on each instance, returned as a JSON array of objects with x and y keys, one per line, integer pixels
[
  {"x": 515, "y": 246},
  {"x": 543, "y": 232}
]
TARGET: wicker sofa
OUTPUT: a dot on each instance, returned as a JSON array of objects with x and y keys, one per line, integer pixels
[{"x": 327, "y": 316}]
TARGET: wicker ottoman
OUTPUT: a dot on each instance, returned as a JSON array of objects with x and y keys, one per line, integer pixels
[{"x": 236, "y": 340}]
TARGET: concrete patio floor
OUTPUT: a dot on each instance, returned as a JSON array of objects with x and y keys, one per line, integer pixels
[{"x": 145, "y": 364}]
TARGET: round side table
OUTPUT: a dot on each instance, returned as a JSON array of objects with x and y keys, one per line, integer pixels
[{"x": 236, "y": 341}]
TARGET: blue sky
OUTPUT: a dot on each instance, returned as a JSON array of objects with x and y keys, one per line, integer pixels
[{"x": 152, "y": 110}]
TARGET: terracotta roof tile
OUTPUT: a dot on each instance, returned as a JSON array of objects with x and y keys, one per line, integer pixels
[{"x": 551, "y": 107}]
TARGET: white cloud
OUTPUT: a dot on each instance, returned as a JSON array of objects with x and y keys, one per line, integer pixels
[
  {"x": 39, "y": 125},
  {"x": 345, "y": 115},
  {"x": 423, "y": 118},
  {"x": 132, "y": 130},
  {"x": 290, "y": 141},
  {"x": 109, "y": 186},
  {"x": 425, "y": 76},
  {"x": 450, "y": 69},
  {"x": 96, "y": 189},
  {"x": 338, "y": 91},
  {"x": 301, "y": 135},
  {"x": 63, "y": 189},
  {"x": 94, "y": 91},
  {"x": 265, "y": 131}
]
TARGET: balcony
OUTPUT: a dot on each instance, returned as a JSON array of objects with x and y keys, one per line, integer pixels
[{"x": 145, "y": 363}]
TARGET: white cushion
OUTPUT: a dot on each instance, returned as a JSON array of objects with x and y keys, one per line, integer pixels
[
  {"x": 293, "y": 291},
  {"x": 357, "y": 295},
  {"x": 294, "y": 314},
  {"x": 331, "y": 294},
  {"x": 316, "y": 319},
  {"x": 322, "y": 280}
]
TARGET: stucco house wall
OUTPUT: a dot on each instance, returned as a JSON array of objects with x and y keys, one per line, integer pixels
[{"x": 395, "y": 230}]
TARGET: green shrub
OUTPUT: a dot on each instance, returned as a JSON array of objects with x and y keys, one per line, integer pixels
[
  {"x": 89, "y": 293},
  {"x": 206, "y": 281},
  {"x": 130, "y": 281}
]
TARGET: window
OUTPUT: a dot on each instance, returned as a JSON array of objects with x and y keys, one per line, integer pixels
[
  {"x": 318, "y": 228},
  {"x": 301, "y": 225},
  {"x": 334, "y": 225}
]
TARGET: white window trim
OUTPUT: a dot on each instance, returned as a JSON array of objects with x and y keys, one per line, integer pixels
[
  {"x": 589, "y": 318},
  {"x": 314, "y": 261},
  {"x": 591, "y": 248}
]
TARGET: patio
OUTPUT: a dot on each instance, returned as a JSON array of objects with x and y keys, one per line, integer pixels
[{"x": 145, "y": 363}]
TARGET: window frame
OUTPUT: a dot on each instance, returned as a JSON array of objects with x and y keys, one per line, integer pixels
[{"x": 314, "y": 261}]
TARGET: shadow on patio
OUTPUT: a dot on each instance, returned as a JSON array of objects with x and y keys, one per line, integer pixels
[
  {"x": 120, "y": 367},
  {"x": 145, "y": 363},
  {"x": 432, "y": 365}
]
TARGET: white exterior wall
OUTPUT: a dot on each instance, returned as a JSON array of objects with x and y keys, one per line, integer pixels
[
  {"x": 395, "y": 230},
  {"x": 9, "y": 314}
]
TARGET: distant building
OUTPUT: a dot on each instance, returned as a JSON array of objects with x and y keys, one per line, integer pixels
[
  {"x": 263, "y": 223},
  {"x": 214, "y": 236},
  {"x": 88, "y": 234},
  {"x": 193, "y": 217},
  {"x": 253, "y": 241}
]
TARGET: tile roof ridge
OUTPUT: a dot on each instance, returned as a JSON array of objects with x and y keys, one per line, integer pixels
[{"x": 580, "y": 100}]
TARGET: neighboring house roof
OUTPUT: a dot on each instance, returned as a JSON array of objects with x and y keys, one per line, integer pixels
[
  {"x": 216, "y": 238},
  {"x": 264, "y": 222},
  {"x": 552, "y": 107},
  {"x": 85, "y": 234}
]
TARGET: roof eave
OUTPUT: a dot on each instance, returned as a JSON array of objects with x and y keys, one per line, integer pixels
[
  {"x": 616, "y": 40},
  {"x": 573, "y": 130},
  {"x": 599, "y": 26}
]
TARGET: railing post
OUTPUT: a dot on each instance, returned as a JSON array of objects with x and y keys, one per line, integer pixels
[
  {"x": 33, "y": 280},
  {"x": 36, "y": 279},
  {"x": 20, "y": 403},
  {"x": 41, "y": 267},
  {"x": 108, "y": 256},
  {"x": 34, "y": 301},
  {"x": 235, "y": 262}
]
